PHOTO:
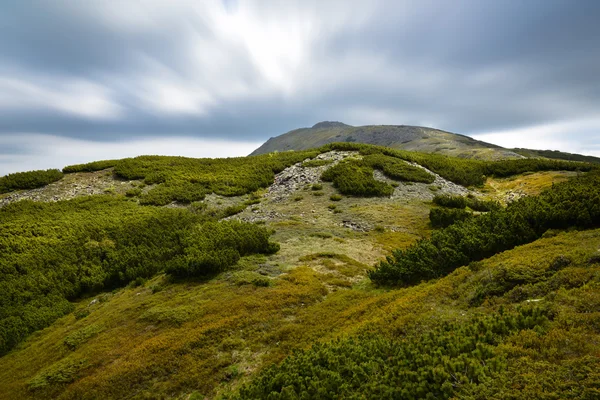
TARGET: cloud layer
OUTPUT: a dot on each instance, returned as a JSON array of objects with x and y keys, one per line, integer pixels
[{"x": 242, "y": 71}]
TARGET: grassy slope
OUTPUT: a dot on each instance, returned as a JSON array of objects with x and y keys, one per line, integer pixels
[
  {"x": 170, "y": 339},
  {"x": 555, "y": 154},
  {"x": 400, "y": 137}
]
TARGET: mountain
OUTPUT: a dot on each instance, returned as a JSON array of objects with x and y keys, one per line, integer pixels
[
  {"x": 345, "y": 271},
  {"x": 414, "y": 138}
]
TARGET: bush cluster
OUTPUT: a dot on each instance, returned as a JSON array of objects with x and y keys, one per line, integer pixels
[
  {"x": 29, "y": 180},
  {"x": 51, "y": 253},
  {"x": 446, "y": 200},
  {"x": 187, "y": 180},
  {"x": 354, "y": 178},
  {"x": 397, "y": 169},
  {"x": 438, "y": 365},
  {"x": 443, "y": 217},
  {"x": 466, "y": 172},
  {"x": 90, "y": 167},
  {"x": 575, "y": 203}
]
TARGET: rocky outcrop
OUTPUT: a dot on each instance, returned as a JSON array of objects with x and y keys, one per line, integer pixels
[{"x": 297, "y": 176}]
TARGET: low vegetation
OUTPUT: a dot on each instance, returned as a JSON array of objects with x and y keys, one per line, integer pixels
[
  {"x": 355, "y": 178},
  {"x": 55, "y": 252},
  {"x": 464, "y": 171},
  {"x": 440, "y": 364},
  {"x": 28, "y": 180},
  {"x": 575, "y": 203},
  {"x": 444, "y": 217},
  {"x": 90, "y": 167},
  {"x": 187, "y": 306},
  {"x": 186, "y": 180}
]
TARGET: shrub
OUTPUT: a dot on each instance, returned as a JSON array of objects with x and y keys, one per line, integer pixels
[
  {"x": 90, "y": 167},
  {"x": 398, "y": 169},
  {"x": 443, "y": 217},
  {"x": 232, "y": 210},
  {"x": 439, "y": 364},
  {"x": 29, "y": 180},
  {"x": 352, "y": 178},
  {"x": 482, "y": 205},
  {"x": 446, "y": 200},
  {"x": 316, "y": 186},
  {"x": 466, "y": 172},
  {"x": 335, "y": 197},
  {"x": 574, "y": 203},
  {"x": 134, "y": 192},
  {"x": 98, "y": 243}
]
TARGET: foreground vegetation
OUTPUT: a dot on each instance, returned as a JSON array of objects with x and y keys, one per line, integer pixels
[
  {"x": 452, "y": 358},
  {"x": 51, "y": 253},
  {"x": 158, "y": 302}
]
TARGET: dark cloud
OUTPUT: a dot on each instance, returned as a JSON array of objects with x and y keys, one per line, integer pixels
[{"x": 241, "y": 70}]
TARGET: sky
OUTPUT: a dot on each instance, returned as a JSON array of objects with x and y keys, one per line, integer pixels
[{"x": 103, "y": 79}]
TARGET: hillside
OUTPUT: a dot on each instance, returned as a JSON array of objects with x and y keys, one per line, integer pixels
[
  {"x": 413, "y": 138},
  {"x": 344, "y": 271},
  {"x": 556, "y": 155}
]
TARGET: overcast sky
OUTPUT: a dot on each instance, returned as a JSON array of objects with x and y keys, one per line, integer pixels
[{"x": 98, "y": 79}]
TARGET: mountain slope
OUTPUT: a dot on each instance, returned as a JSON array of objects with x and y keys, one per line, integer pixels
[
  {"x": 99, "y": 278},
  {"x": 414, "y": 138},
  {"x": 556, "y": 155}
]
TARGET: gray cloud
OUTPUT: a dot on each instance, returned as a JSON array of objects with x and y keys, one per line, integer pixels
[{"x": 248, "y": 70}]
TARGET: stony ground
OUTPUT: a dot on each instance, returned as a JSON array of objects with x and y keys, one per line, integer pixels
[{"x": 71, "y": 186}]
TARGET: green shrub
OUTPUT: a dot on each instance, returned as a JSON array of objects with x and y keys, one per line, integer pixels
[
  {"x": 226, "y": 177},
  {"x": 443, "y": 217},
  {"x": 335, "y": 197},
  {"x": 395, "y": 168},
  {"x": 166, "y": 193},
  {"x": 212, "y": 247},
  {"x": 134, "y": 192},
  {"x": 29, "y": 180},
  {"x": 90, "y": 167},
  {"x": 450, "y": 201},
  {"x": 99, "y": 243},
  {"x": 232, "y": 210},
  {"x": 77, "y": 338},
  {"x": 466, "y": 172},
  {"x": 574, "y": 203},
  {"x": 355, "y": 179},
  {"x": 316, "y": 186},
  {"x": 439, "y": 364},
  {"x": 61, "y": 372},
  {"x": 482, "y": 205}
]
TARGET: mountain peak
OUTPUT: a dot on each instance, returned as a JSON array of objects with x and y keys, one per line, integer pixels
[{"x": 329, "y": 124}]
